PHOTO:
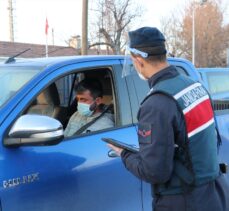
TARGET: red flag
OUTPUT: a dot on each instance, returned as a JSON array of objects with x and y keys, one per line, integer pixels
[{"x": 46, "y": 27}]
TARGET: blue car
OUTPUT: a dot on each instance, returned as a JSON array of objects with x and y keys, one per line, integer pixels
[{"x": 41, "y": 170}]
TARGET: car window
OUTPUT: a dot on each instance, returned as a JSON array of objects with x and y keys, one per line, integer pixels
[
  {"x": 218, "y": 82},
  {"x": 142, "y": 92},
  {"x": 64, "y": 88},
  {"x": 59, "y": 101}
]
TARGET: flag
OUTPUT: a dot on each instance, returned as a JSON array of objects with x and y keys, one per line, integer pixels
[{"x": 46, "y": 26}]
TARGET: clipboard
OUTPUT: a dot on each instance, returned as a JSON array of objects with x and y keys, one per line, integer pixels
[{"x": 120, "y": 144}]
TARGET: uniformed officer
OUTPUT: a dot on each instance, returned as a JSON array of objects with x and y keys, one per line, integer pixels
[{"x": 176, "y": 133}]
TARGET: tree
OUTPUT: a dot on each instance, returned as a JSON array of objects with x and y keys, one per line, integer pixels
[
  {"x": 171, "y": 28},
  {"x": 211, "y": 34},
  {"x": 114, "y": 18}
]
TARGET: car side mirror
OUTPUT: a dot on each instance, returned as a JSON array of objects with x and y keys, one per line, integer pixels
[{"x": 34, "y": 130}]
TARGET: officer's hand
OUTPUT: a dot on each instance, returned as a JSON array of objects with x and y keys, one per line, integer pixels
[{"x": 117, "y": 150}]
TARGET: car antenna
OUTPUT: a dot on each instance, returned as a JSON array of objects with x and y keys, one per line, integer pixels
[{"x": 12, "y": 58}]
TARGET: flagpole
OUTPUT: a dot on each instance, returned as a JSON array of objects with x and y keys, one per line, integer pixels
[
  {"x": 46, "y": 33},
  {"x": 46, "y": 47}
]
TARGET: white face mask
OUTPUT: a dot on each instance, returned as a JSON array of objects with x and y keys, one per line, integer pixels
[
  {"x": 139, "y": 72},
  {"x": 141, "y": 76}
]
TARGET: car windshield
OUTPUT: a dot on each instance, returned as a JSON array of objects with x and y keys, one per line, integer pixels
[
  {"x": 12, "y": 79},
  {"x": 218, "y": 82}
]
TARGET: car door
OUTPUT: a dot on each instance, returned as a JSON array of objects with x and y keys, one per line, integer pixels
[{"x": 76, "y": 174}]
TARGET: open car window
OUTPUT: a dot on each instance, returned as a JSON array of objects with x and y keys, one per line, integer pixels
[{"x": 58, "y": 100}]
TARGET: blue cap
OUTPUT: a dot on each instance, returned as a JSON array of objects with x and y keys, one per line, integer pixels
[{"x": 146, "y": 37}]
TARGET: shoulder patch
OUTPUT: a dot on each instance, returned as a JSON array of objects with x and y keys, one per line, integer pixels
[{"x": 144, "y": 133}]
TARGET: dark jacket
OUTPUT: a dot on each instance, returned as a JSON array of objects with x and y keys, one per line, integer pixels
[
  {"x": 158, "y": 120},
  {"x": 161, "y": 125}
]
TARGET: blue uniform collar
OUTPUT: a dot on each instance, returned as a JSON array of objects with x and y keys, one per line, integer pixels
[{"x": 168, "y": 72}]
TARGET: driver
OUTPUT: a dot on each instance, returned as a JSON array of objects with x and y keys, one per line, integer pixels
[{"x": 89, "y": 96}]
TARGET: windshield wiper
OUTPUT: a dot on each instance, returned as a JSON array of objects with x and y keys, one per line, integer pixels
[{"x": 12, "y": 58}]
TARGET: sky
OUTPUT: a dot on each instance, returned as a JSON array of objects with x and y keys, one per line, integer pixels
[{"x": 64, "y": 17}]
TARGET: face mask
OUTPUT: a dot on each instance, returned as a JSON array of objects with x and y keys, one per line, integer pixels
[
  {"x": 140, "y": 73},
  {"x": 141, "y": 76},
  {"x": 84, "y": 109}
]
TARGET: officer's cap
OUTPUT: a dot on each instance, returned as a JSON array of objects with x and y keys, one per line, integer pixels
[{"x": 146, "y": 37}]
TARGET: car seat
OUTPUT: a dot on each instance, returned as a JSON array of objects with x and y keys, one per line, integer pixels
[{"x": 48, "y": 103}]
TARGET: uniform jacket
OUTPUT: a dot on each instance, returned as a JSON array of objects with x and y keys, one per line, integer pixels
[{"x": 161, "y": 126}]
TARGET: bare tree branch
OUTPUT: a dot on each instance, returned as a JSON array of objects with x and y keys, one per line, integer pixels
[
  {"x": 113, "y": 19},
  {"x": 211, "y": 35}
]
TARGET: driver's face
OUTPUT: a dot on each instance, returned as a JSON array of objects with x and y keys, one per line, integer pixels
[{"x": 85, "y": 97}]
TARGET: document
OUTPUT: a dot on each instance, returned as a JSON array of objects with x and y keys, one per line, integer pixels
[{"x": 120, "y": 144}]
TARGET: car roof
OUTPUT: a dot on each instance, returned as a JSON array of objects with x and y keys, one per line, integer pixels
[
  {"x": 46, "y": 61},
  {"x": 213, "y": 69},
  {"x": 66, "y": 60}
]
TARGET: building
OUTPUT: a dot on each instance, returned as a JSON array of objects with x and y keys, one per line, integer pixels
[{"x": 8, "y": 49}]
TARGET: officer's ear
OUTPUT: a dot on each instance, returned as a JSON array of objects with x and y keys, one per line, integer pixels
[{"x": 139, "y": 61}]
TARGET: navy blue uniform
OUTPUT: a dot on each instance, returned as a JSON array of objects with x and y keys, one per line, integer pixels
[{"x": 161, "y": 126}]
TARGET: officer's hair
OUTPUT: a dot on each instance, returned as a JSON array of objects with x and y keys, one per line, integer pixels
[
  {"x": 153, "y": 57},
  {"x": 156, "y": 58},
  {"x": 93, "y": 85}
]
